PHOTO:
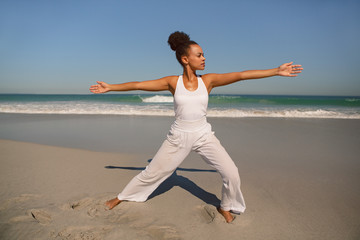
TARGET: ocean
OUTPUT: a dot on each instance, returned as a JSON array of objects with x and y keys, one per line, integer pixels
[{"x": 233, "y": 106}]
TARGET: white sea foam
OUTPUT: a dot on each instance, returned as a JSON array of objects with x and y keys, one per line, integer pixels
[
  {"x": 167, "y": 110},
  {"x": 352, "y": 100},
  {"x": 86, "y": 108},
  {"x": 158, "y": 99},
  {"x": 284, "y": 113}
]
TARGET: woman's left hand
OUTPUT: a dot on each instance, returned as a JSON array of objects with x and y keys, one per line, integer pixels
[{"x": 289, "y": 70}]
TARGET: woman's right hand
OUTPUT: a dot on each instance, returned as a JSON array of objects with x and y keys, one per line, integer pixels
[{"x": 101, "y": 87}]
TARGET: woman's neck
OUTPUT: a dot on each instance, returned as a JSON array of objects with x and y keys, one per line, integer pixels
[{"x": 189, "y": 74}]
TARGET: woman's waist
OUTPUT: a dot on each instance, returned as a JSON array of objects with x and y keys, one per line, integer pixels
[{"x": 190, "y": 125}]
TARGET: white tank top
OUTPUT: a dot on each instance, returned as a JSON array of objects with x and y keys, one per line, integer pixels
[{"x": 190, "y": 105}]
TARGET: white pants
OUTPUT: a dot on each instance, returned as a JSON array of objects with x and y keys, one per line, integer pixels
[{"x": 183, "y": 138}]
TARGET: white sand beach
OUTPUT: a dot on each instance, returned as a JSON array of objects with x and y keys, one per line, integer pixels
[{"x": 299, "y": 177}]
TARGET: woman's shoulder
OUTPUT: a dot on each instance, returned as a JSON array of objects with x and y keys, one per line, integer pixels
[
  {"x": 208, "y": 77},
  {"x": 172, "y": 82},
  {"x": 171, "y": 79}
]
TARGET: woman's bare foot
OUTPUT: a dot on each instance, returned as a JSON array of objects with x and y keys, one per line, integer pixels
[
  {"x": 226, "y": 214},
  {"x": 112, "y": 203}
]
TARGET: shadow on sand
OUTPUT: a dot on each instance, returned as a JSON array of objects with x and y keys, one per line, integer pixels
[{"x": 180, "y": 181}]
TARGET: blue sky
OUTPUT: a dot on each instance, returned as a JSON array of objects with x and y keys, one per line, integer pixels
[{"x": 63, "y": 46}]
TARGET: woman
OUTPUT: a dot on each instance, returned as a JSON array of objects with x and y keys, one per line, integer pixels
[{"x": 190, "y": 131}]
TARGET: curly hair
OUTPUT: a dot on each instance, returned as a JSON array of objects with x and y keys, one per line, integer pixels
[{"x": 180, "y": 43}]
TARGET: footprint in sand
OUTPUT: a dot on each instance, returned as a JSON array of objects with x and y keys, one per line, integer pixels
[
  {"x": 15, "y": 205},
  {"x": 41, "y": 216},
  {"x": 128, "y": 216},
  {"x": 81, "y": 204},
  {"x": 83, "y": 232},
  {"x": 93, "y": 207},
  {"x": 163, "y": 232},
  {"x": 210, "y": 214},
  {"x": 97, "y": 209}
]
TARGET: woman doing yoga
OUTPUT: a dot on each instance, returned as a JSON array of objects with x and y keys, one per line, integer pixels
[{"x": 190, "y": 130}]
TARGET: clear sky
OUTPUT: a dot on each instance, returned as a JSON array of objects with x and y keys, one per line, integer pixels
[{"x": 64, "y": 46}]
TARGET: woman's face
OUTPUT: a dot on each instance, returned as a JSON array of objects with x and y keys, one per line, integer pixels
[{"x": 195, "y": 58}]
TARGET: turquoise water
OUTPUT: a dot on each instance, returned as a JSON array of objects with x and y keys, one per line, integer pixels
[{"x": 162, "y": 105}]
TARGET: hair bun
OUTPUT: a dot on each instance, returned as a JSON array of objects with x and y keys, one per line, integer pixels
[{"x": 177, "y": 38}]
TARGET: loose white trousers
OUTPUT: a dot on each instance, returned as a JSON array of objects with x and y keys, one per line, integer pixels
[{"x": 183, "y": 138}]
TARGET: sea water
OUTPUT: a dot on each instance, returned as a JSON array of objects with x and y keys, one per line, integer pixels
[{"x": 234, "y": 106}]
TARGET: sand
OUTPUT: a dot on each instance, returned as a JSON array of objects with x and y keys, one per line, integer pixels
[{"x": 300, "y": 179}]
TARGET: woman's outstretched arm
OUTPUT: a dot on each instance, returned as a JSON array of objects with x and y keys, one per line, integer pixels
[
  {"x": 161, "y": 84},
  {"x": 286, "y": 69}
]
